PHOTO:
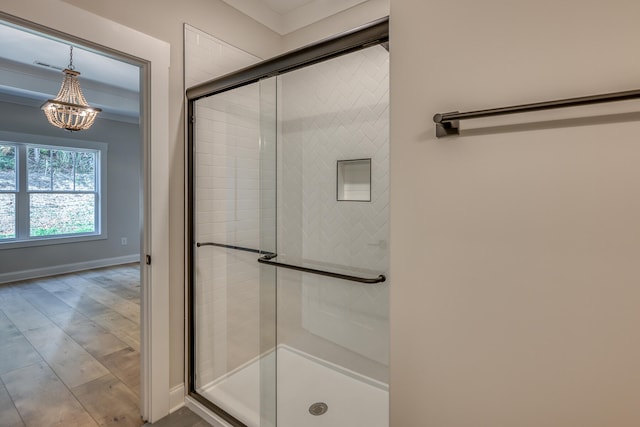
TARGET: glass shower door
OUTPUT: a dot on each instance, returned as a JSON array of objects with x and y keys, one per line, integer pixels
[
  {"x": 332, "y": 234},
  {"x": 290, "y": 256},
  {"x": 233, "y": 306}
]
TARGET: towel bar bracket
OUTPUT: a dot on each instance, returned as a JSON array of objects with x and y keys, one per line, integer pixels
[{"x": 448, "y": 128}]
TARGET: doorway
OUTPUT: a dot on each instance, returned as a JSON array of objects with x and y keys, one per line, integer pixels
[
  {"x": 69, "y": 202},
  {"x": 61, "y": 20}
]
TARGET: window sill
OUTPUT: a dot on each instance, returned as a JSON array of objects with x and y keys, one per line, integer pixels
[{"x": 50, "y": 241}]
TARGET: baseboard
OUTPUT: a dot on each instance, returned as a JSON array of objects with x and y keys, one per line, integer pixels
[
  {"x": 66, "y": 268},
  {"x": 176, "y": 398}
]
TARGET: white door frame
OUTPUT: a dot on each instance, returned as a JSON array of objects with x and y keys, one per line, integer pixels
[{"x": 76, "y": 23}]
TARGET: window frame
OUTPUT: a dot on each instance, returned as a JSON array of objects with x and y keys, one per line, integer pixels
[{"x": 23, "y": 237}]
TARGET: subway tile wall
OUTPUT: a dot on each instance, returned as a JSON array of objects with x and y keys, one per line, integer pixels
[
  {"x": 227, "y": 178},
  {"x": 227, "y": 189}
]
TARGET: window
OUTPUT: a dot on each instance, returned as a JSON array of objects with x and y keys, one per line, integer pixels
[
  {"x": 8, "y": 188},
  {"x": 48, "y": 192}
]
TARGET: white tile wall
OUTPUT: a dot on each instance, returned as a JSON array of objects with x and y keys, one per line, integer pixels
[
  {"x": 227, "y": 178},
  {"x": 207, "y": 57},
  {"x": 337, "y": 110},
  {"x": 226, "y": 189}
]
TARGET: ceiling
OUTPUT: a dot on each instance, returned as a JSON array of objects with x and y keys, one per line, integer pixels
[
  {"x": 285, "y": 6},
  {"x": 31, "y": 62},
  {"x": 286, "y": 16},
  {"x": 31, "y": 67}
]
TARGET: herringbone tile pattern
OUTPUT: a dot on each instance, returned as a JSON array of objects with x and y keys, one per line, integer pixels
[{"x": 337, "y": 110}]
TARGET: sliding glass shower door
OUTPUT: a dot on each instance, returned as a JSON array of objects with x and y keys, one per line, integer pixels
[
  {"x": 233, "y": 298},
  {"x": 289, "y": 201},
  {"x": 332, "y": 250}
]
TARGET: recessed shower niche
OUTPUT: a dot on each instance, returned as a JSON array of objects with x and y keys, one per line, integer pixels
[
  {"x": 288, "y": 291},
  {"x": 354, "y": 180}
]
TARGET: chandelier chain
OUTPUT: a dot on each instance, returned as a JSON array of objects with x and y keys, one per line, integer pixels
[{"x": 70, "y": 58}]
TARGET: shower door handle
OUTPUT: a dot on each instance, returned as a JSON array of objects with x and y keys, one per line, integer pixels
[
  {"x": 269, "y": 260},
  {"x": 237, "y": 248},
  {"x": 224, "y": 245}
]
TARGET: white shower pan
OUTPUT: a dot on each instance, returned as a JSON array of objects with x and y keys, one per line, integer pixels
[{"x": 351, "y": 399}]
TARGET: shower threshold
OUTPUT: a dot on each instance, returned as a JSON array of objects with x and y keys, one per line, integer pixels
[{"x": 311, "y": 392}]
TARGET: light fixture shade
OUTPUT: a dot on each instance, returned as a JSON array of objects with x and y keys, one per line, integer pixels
[{"x": 69, "y": 110}]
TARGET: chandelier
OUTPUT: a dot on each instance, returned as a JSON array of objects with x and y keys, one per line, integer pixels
[{"x": 69, "y": 110}]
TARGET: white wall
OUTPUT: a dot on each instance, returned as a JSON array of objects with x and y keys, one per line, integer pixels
[
  {"x": 347, "y": 20},
  {"x": 123, "y": 188},
  {"x": 207, "y": 57},
  {"x": 514, "y": 251}
]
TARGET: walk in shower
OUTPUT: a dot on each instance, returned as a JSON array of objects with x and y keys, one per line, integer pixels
[{"x": 288, "y": 223}]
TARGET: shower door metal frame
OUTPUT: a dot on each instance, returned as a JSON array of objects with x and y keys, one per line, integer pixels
[{"x": 371, "y": 34}]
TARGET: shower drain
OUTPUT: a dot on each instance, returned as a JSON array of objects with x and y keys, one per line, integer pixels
[{"x": 318, "y": 408}]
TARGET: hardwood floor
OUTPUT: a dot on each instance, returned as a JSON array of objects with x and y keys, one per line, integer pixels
[{"x": 70, "y": 350}]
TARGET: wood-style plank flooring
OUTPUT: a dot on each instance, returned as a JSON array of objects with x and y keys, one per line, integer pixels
[{"x": 70, "y": 350}]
